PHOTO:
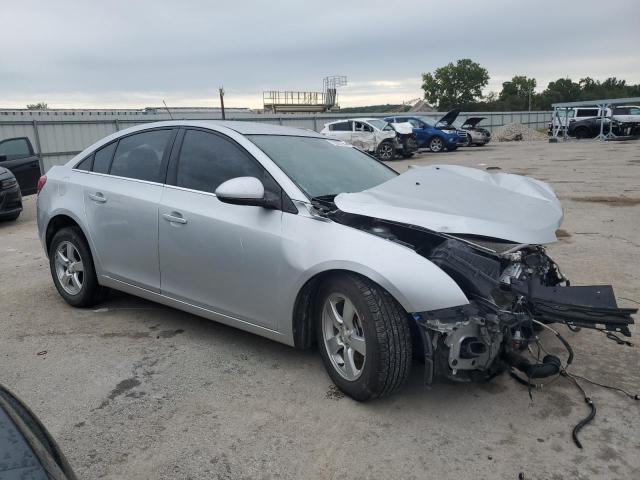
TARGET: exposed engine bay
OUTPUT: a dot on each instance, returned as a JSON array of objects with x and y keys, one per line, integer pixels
[{"x": 514, "y": 291}]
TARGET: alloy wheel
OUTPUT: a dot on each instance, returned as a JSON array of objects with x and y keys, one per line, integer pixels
[
  {"x": 436, "y": 144},
  {"x": 69, "y": 268},
  {"x": 343, "y": 336},
  {"x": 386, "y": 151}
]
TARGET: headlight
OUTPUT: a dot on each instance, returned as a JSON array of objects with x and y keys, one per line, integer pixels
[{"x": 8, "y": 183}]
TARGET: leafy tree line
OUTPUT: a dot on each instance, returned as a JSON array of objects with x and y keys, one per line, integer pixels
[{"x": 460, "y": 84}]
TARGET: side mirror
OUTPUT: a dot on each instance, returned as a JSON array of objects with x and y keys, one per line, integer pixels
[{"x": 246, "y": 191}]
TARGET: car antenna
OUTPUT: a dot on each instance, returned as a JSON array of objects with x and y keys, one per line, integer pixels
[{"x": 168, "y": 111}]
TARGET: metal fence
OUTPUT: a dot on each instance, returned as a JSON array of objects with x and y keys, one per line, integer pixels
[{"x": 58, "y": 136}]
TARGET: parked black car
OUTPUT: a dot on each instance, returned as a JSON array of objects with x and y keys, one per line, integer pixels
[
  {"x": 590, "y": 127},
  {"x": 10, "y": 197},
  {"x": 27, "y": 450},
  {"x": 17, "y": 155}
]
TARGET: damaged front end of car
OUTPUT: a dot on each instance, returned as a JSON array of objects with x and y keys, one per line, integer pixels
[{"x": 513, "y": 291}]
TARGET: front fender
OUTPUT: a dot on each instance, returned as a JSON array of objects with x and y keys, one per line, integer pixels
[{"x": 415, "y": 282}]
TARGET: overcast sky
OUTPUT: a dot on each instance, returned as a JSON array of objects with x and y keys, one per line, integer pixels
[{"x": 115, "y": 54}]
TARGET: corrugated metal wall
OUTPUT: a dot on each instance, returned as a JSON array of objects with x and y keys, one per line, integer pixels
[{"x": 59, "y": 135}]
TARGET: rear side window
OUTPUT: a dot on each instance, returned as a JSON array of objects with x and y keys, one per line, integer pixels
[
  {"x": 587, "y": 112},
  {"x": 340, "y": 127},
  {"x": 140, "y": 156},
  {"x": 102, "y": 158},
  {"x": 15, "y": 148},
  {"x": 207, "y": 160},
  {"x": 85, "y": 164}
]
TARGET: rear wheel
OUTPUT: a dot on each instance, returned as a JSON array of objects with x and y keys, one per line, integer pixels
[
  {"x": 72, "y": 268},
  {"x": 436, "y": 144},
  {"x": 386, "y": 151},
  {"x": 363, "y": 336}
]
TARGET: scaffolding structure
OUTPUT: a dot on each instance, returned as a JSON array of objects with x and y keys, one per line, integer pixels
[
  {"x": 561, "y": 112},
  {"x": 305, "y": 102}
]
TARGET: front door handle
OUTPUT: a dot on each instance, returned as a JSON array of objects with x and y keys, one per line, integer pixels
[
  {"x": 97, "y": 197},
  {"x": 174, "y": 217}
]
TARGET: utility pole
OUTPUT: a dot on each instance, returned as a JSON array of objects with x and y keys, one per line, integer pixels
[{"x": 221, "y": 90}]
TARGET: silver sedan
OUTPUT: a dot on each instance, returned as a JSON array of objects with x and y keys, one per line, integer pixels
[{"x": 306, "y": 240}]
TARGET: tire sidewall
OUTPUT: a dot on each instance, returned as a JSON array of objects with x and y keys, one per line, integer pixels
[
  {"x": 366, "y": 384},
  {"x": 90, "y": 287}
]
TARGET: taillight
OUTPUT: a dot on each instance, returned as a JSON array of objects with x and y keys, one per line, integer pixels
[{"x": 41, "y": 182}]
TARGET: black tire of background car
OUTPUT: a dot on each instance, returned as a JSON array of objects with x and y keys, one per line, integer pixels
[
  {"x": 91, "y": 292},
  {"x": 386, "y": 332},
  {"x": 469, "y": 142},
  {"x": 582, "y": 132},
  {"x": 436, "y": 141},
  {"x": 10, "y": 218},
  {"x": 407, "y": 155},
  {"x": 382, "y": 151}
]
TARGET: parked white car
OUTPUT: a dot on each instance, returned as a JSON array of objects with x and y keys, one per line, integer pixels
[{"x": 374, "y": 135}]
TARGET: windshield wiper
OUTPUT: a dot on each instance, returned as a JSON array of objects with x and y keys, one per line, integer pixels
[{"x": 324, "y": 202}]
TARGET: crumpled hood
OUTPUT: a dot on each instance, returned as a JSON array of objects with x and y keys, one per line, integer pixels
[
  {"x": 402, "y": 128},
  {"x": 453, "y": 199}
]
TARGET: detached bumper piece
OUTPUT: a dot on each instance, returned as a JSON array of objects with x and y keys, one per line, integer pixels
[{"x": 591, "y": 306}]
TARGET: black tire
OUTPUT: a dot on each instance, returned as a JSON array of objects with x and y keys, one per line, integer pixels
[
  {"x": 90, "y": 292},
  {"x": 582, "y": 133},
  {"x": 407, "y": 155},
  {"x": 386, "y": 333},
  {"x": 10, "y": 218},
  {"x": 469, "y": 142},
  {"x": 436, "y": 144},
  {"x": 386, "y": 151}
]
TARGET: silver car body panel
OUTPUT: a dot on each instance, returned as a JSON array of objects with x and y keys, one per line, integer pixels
[
  {"x": 240, "y": 265},
  {"x": 455, "y": 199}
]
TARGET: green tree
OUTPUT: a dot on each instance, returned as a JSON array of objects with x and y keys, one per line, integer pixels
[
  {"x": 37, "y": 106},
  {"x": 455, "y": 85},
  {"x": 518, "y": 93}
]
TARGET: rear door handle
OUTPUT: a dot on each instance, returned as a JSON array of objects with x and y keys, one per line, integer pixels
[
  {"x": 174, "y": 217},
  {"x": 97, "y": 197}
]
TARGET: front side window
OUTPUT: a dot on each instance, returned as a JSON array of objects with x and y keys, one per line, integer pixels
[
  {"x": 207, "y": 160},
  {"x": 362, "y": 127},
  {"x": 139, "y": 156},
  {"x": 321, "y": 166},
  {"x": 15, "y": 148},
  {"x": 380, "y": 124}
]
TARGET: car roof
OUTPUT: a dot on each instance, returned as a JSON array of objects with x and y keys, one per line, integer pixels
[
  {"x": 358, "y": 119},
  {"x": 243, "y": 128}
]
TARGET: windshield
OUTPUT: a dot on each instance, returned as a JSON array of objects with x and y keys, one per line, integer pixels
[
  {"x": 379, "y": 124},
  {"x": 323, "y": 167}
]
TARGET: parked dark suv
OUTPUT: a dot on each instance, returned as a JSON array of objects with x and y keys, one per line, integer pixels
[{"x": 10, "y": 197}]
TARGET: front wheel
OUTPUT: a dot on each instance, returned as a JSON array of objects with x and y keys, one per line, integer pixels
[
  {"x": 386, "y": 151},
  {"x": 363, "y": 337},
  {"x": 436, "y": 144},
  {"x": 72, "y": 268}
]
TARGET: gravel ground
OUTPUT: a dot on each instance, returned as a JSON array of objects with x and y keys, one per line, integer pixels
[{"x": 136, "y": 390}]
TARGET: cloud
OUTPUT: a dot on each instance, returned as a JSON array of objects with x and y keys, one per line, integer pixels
[{"x": 135, "y": 53}]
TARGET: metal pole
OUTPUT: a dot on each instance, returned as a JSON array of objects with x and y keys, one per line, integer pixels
[
  {"x": 38, "y": 146},
  {"x": 221, "y": 90}
]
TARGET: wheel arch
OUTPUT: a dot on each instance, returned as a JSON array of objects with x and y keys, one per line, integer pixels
[
  {"x": 302, "y": 325},
  {"x": 59, "y": 221}
]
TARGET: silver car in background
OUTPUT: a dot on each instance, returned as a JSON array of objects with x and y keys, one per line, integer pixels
[{"x": 304, "y": 239}]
